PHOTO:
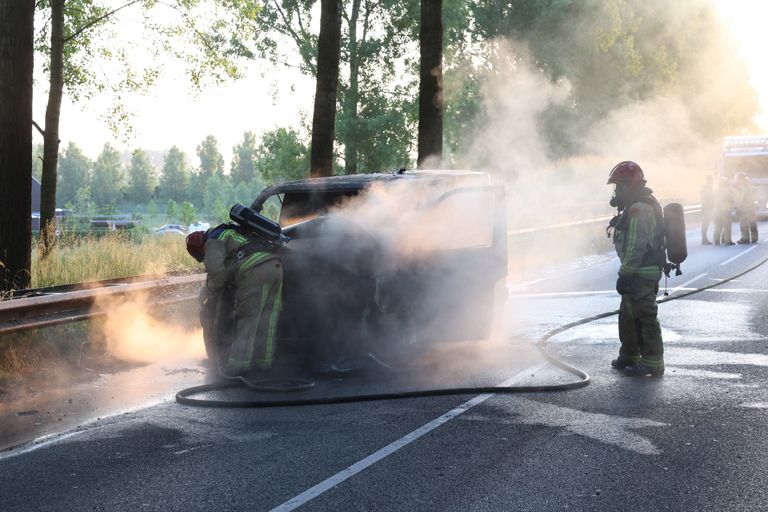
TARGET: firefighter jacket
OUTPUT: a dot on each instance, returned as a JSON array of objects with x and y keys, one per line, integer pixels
[
  {"x": 638, "y": 238},
  {"x": 745, "y": 198},
  {"x": 229, "y": 251}
]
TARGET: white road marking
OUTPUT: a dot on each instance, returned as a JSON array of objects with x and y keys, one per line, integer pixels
[
  {"x": 603, "y": 428},
  {"x": 742, "y": 253},
  {"x": 391, "y": 448},
  {"x": 561, "y": 294},
  {"x": 673, "y": 290}
]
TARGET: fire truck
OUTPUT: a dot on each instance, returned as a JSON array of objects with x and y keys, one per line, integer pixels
[{"x": 748, "y": 154}]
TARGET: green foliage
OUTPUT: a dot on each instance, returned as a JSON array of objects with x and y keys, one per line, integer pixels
[
  {"x": 107, "y": 181},
  {"x": 142, "y": 178},
  {"x": 82, "y": 205},
  {"x": 188, "y": 213},
  {"x": 74, "y": 174},
  {"x": 282, "y": 156},
  {"x": 152, "y": 209},
  {"x": 174, "y": 183},
  {"x": 375, "y": 121},
  {"x": 211, "y": 162},
  {"x": 243, "y": 168},
  {"x": 613, "y": 52},
  {"x": 210, "y": 37},
  {"x": 172, "y": 210}
]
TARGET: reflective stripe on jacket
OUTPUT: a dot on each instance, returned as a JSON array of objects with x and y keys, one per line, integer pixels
[{"x": 635, "y": 236}]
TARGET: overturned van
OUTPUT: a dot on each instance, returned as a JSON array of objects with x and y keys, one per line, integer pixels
[{"x": 379, "y": 263}]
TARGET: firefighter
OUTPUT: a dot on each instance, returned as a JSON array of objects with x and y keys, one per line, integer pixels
[
  {"x": 723, "y": 208},
  {"x": 638, "y": 232},
  {"x": 745, "y": 207},
  {"x": 244, "y": 271},
  {"x": 707, "y": 209}
]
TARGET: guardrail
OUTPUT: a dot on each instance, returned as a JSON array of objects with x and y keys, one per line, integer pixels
[
  {"x": 74, "y": 306},
  {"x": 48, "y": 307}
]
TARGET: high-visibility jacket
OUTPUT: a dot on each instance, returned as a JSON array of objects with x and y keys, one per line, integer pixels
[
  {"x": 243, "y": 265},
  {"x": 638, "y": 238}
]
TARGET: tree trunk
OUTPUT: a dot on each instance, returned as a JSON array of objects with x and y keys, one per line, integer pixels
[
  {"x": 431, "y": 84},
  {"x": 352, "y": 98},
  {"x": 16, "y": 56},
  {"x": 52, "y": 114},
  {"x": 324, "y": 118}
]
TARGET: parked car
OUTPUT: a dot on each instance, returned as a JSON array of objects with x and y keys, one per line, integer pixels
[
  {"x": 379, "y": 262},
  {"x": 198, "y": 226},
  {"x": 170, "y": 229}
]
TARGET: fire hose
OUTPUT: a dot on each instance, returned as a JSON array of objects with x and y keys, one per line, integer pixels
[{"x": 185, "y": 396}]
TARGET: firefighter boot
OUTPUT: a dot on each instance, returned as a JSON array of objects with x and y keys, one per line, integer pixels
[
  {"x": 622, "y": 362},
  {"x": 641, "y": 370}
]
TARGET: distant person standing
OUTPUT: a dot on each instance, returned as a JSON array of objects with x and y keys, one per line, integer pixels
[
  {"x": 723, "y": 207},
  {"x": 707, "y": 209},
  {"x": 745, "y": 207}
]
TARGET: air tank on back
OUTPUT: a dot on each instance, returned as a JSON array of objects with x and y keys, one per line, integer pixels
[{"x": 674, "y": 232}]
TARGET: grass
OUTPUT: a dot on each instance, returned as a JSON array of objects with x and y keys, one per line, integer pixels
[{"x": 116, "y": 254}]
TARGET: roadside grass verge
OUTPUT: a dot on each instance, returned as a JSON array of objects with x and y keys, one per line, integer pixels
[{"x": 76, "y": 259}]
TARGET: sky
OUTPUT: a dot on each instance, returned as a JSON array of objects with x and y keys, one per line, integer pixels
[
  {"x": 270, "y": 97},
  {"x": 747, "y": 20}
]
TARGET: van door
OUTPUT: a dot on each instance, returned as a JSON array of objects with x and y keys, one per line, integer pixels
[{"x": 450, "y": 259}]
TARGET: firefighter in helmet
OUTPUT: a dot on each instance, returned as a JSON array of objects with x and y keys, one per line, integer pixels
[
  {"x": 745, "y": 207},
  {"x": 638, "y": 232},
  {"x": 723, "y": 211},
  {"x": 245, "y": 279}
]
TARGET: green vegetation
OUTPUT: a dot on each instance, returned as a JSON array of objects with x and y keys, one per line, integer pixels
[{"x": 76, "y": 259}]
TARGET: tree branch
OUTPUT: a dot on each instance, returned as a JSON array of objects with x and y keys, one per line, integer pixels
[
  {"x": 42, "y": 132},
  {"x": 98, "y": 19},
  {"x": 296, "y": 38}
]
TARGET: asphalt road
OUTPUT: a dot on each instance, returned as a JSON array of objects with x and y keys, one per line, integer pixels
[{"x": 692, "y": 440}]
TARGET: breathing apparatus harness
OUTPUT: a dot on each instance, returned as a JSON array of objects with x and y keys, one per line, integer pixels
[{"x": 668, "y": 248}]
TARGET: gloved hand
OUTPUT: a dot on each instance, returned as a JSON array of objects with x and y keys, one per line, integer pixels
[{"x": 624, "y": 284}]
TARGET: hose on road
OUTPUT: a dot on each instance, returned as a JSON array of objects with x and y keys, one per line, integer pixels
[{"x": 186, "y": 396}]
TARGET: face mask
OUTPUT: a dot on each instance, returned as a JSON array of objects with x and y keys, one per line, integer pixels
[{"x": 618, "y": 199}]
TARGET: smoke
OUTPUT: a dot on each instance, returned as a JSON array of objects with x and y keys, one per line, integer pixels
[{"x": 133, "y": 331}]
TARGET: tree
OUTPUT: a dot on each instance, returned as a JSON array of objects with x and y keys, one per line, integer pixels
[
  {"x": 212, "y": 39},
  {"x": 16, "y": 65},
  {"x": 142, "y": 178},
  {"x": 324, "y": 117},
  {"x": 282, "y": 156},
  {"x": 376, "y": 112},
  {"x": 243, "y": 168},
  {"x": 188, "y": 213},
  {"x": 174, "y": 182},
  {"x": 431, "y": 83},
  {"x": 74, "y": 174},
  {"x": 211, "y": 162},
  {"x": 613, "y": 53},
  {"x": 171, "y": 210},
  {"x": 108, "y": 178}
]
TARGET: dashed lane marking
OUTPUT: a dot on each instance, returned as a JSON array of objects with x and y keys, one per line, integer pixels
[
  {"x": 347, "y": 473},
  {"x": 742, "y": 253},
  {"x": 673, "y": 290}
]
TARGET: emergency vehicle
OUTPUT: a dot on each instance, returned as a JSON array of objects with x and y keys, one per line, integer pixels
[{"x": 748, "y": 154}]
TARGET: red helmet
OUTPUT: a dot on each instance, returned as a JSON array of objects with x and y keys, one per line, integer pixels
[
  {"x": 195, "y": 244},
  {"x": 626, "y": 171}
]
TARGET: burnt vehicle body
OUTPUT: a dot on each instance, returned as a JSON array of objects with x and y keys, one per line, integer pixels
[{"x": 349, "y": 286}]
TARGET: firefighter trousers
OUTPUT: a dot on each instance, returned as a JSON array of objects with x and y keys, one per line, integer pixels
[
  {"x": 639, "y": 329},
  {"x": 258, "y": 296}
]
